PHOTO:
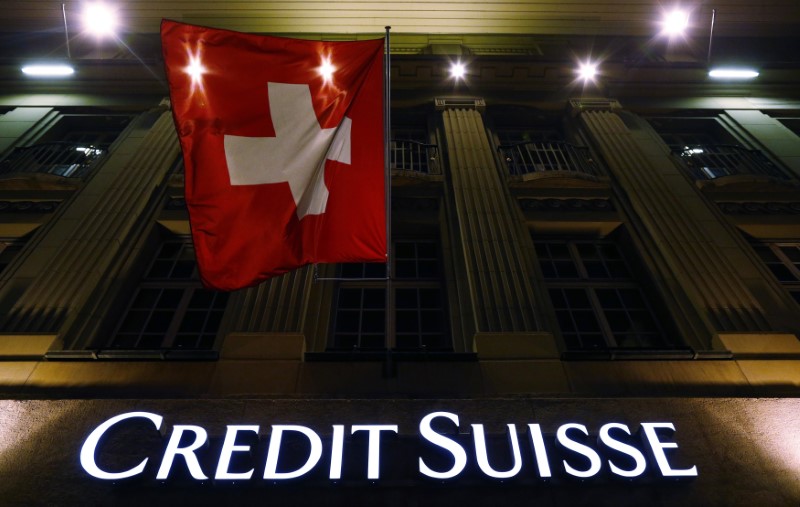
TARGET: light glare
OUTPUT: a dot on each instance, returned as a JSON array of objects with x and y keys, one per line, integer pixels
[
  {"x": 731, "y": 73},
  {"x": 99, "y": 19},
  {"x": 675, "y": 23},
  {"x": 458, "y": 70},
  {"x": 326, "y": 70},
  {"x": 195, "y": 69},
  {"x": 48, "y": 70},
  {"x": 587, "y": 71}
]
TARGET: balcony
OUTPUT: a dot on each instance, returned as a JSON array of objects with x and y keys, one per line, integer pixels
[
  {"x": 712, "y": 161},
  {"x": 414, "y": 156},
  {"x": 68, "y": 160},
  {"x": 527, "y": 159}
]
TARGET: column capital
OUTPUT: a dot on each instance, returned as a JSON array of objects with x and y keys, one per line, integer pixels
[{"x": 577, "y": 106}]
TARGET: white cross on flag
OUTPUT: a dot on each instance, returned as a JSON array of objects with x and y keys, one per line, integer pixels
[{"x": 282, "y": 142}]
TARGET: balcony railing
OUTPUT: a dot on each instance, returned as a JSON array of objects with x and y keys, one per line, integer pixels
[
  {"x": 71, "y": 160},
  {"x": 414, "y": 156},
  {"x": 710, "y": 161},
  {"x": 536, "y": 157}
]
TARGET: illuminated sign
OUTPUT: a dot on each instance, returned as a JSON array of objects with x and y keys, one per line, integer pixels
[{"x": 444, "y": 453}]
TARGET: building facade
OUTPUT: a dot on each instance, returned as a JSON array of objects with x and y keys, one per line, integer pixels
[{"x": 611, "y": 266}]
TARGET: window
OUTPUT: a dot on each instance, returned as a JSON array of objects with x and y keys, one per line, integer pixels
[
  {"x": 707, "y": 150},
  {"x": 71, "y": 147},
  {"x": 410, "y": 150},
  {"x": 597, "y": 301},
  {"x": 359, "y": 319},
  {"x": 170, "y": 309},
  {"x": 8, "y": 250},
  {"x": 783, "y": 259}
]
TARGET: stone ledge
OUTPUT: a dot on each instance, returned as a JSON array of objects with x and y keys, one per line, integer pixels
[
  {"x": 265, "y": 346},
  {"x": 516, "y": 346},
  {"x": 759, "y": 344},
  {"x": 25, "y": 345}
]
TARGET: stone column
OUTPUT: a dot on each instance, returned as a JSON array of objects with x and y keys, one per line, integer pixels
[{"x": 694, "y": 251}]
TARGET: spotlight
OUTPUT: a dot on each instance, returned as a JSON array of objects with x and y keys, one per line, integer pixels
[
  {"x": 675, "y": 23},
  {"x": 587, "y": 71},
  {"x": 99, "y": 19},
  {"x": 458, "y": 70}
]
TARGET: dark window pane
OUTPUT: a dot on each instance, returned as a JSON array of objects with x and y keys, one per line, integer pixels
[
  {"x": 428, "y": 269},
  {"x": 347, "y": 321},
  {"x": 192, "y": 322},
  {"x": 405, "y": 269},
  {"x": 406, "y": 298},
  {"x": 213, "y": 320},
  {"x": 170, "y": 298},
  {"x": 782, "y": 273},
  {"x": 430, "y": 298},
  {"x": 372, "y": 342},
  {"x": 595, "y": 269},
  {"x": 134, "y": 322},
  {"x": 588, "y": 251},
  {"x": 374, "y": 298},
  {"x": 183, "y": 269},
  {"x": 372, "y": 322},
  {"x": 201, "y": 299},
  {"x": 405, "y": 250},
  {"x": 608, "y": 298},
  {"x": 375, "y": 270},
  {"x": 407, "y": 322},
  {"x": 150, "y": 342},
  {"x": 586, "y": 321},
  {"x": 169, "y": 250},
  {"x": 145, "y": 298},
  {"x": 351, "y": 270},
  {"x": 557, "y": 297},
  {"x": 160, "y": 269},
  {"x": 431, "y": 321},
  {"x": 349, "y": 298},
  {"x": 426, "y": 250},
  {"x": 159, "y": 322},
  {"x": 124, "y": 341},
  {"x": 618, "y": 269},
  {"x": 577, "y": 298},
  {"x": 565, "y": 269},
  {"x": 347, "y": 341},
  {"x": 407, "y": 341}
]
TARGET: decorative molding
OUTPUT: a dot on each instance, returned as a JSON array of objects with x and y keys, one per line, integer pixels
[
  {"x": 566, "y": 205},
  {"x": 28, "y": 206},
  {"x": 760, "y": 208},
  {"x": 443, "y": 103}
]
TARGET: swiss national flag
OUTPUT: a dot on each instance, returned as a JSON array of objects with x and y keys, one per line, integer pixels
[{"x": 283, "y": 148}]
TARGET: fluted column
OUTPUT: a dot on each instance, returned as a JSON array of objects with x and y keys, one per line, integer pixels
[
  {"x": 87, "y": 238},
  {"x": 682, "y": 233},
  {"x": 498, "y": 270}
]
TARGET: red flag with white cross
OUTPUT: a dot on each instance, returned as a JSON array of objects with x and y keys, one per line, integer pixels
[{"x": 283, "y": 150}]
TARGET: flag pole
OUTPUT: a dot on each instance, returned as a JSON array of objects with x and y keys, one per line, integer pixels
[{"x": 387, "y": 132}]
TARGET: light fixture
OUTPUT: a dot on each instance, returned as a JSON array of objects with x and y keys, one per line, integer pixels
[
  {"x": 458, "y": 70},
  {"x": 99, "y": 19},
  {"x": 675, "y": 23},
  {"x": 48, "y": 70},
  {"x": 587, "y": 71},
  {"x": 733, "y": 73}
]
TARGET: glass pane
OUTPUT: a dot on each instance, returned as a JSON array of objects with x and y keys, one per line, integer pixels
[
  {"x": 170, "y": 298},
  {"x": 404, "y": 250},
  {"x": 347, "y": 321},
  {"x": 405, "y": 269},
  {"x": 372, "y": 322},
  {"x": 406, "y": 298},
  {"x": 349, "y": 298},
  {"x": 407, "y": 321},
  {"x": 159, "y": 322},
  {"x": 145, "y": 298},
  {"x": 375, "y": 298}
]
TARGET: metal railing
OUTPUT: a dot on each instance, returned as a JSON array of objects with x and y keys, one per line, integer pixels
[
  {"x": 71, "y": 160},
  {"x": 405, "y": 155},
  {"x": 535, "y": 157},
  {"x": 710, "y": 161}
]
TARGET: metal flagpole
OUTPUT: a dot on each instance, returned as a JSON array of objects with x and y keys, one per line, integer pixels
[{"x": 387, "y": 132}]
